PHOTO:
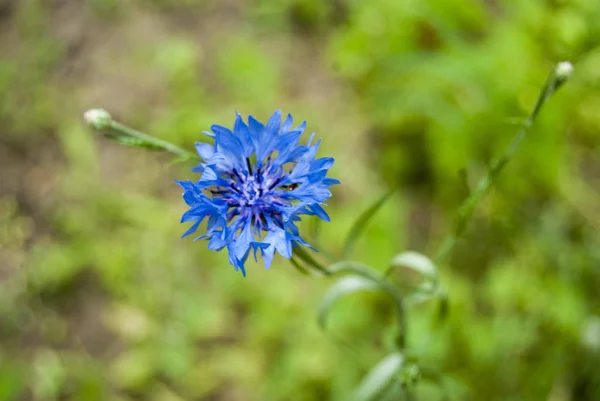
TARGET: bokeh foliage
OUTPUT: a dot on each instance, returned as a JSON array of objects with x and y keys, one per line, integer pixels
[{"x": 100, "y": 299}]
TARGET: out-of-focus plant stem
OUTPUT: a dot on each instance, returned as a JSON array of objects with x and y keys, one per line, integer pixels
[
  {"x": 558, "y": 76},
  {"x": 103, "y": 122},
  {"x": 168, "y": 146}
]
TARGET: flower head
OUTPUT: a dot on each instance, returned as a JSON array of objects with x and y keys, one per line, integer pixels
[
  {"x": 564, "y": 69},
  {"x": 256, "y": 182},
  {"x": 98, "y": 118}
]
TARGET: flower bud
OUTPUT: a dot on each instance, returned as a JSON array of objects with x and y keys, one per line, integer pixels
[
  {"x": 564, "y": 69},
  {"x": 98, "y": 118}
]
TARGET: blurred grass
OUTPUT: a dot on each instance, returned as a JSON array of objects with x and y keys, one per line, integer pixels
[{"x": 101, "y": 300}]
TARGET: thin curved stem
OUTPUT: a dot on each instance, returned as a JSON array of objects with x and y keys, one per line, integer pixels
[{"x": 559, "y": 75}]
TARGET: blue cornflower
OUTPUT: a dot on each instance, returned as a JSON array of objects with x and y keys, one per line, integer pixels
[{"x": 256, "y": 182}]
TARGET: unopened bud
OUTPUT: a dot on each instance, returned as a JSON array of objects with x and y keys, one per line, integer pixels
[
  {"x": 564, "y": 69},
  {"x": 98, "y": 118}
]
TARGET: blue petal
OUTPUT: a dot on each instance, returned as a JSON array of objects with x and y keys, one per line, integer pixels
[
  {"x": 323, "y": 163},
  {"x": 319, "y": 211},
  {"x": 287, "y": 124},
  {"x": 267, "y": 254},
  {"x": 277, "y": 239},
  {"x": 256, "y": 127},
  {"x": 227, "y": 143},
  {"x": 192, "y": 229},
  {"x": 316, "y": 176},
  {"x": 196, "y": 213},
  {"x": 274, "y": 124},
  {"x": 190, "y": 198},
  {"x": 209, "y": 175},
  {"x": 217, "y": 241},
  {"x": 214, "y": 221},
  {"x": 241, "y": 244},
  {"x": 302, "y": 127},
  {"x": 237, "y": 263},
  {"x": 288, "y": 155},
  {"x": 198, "y": 169},
  {"x": 187, "y": 185},
  {"x": 288, "y": 140},
  {"x": 243, "y": 132},
  {"x": 259, "y": 245},
  {"x": 205, "y": 150},
  {"x": 269, "y": 138},
  {"x": 256, "y": 133}
]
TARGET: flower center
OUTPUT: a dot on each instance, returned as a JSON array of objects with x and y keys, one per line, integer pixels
[
  {"x": 252, "y": 194},
  {"x": 252, "y": 190}
]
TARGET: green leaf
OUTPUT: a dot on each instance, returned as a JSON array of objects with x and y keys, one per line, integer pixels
[
  {"x": 315, "y": 229},
  {"x": 370, "y": 274},
  {"x": 299, "y": 267},
  {"x": 434, "y": 376},
  {"x": 135, "y": 142},
  {"x": 342, "y": 287},
  {"x": 12, "y": 381},
  {"x": 444, "y": 307},
  {"x": 307, "y": 258},
  {"x": 360, "y": 223},
  {"x": 181, "y": 159},
  {"x": 419, "y": 276},
  {"x": 416, "y": 262},
  {"x": 376, "y": 278},
  {"x": 379, "y": 378}
]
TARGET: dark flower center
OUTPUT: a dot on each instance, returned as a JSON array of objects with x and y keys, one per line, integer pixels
[{"x": 256, "y": 194}]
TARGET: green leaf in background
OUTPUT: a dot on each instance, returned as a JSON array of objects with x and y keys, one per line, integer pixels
[
  {"x": 49, "y": 374},
  {"x": 416, "y": 262},
  {"x": 307, "y": 258},
  {"x": 299, "y": 267},
  {"x": 361, "y": 222},
  {"x": 374, "y": 276},
  {"x": 135, "y": 142},
  {"x": 12, "y": 382},
  {"x": 443, "y": 307},
  {"x": 419, "y": 275},
  {"x": 180, "y": 159},
  {"x": 379, "y": 378},
  {"x": 341, "y": 288}
]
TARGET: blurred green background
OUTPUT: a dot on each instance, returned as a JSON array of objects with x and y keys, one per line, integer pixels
[{"x": 100, "y": 299}]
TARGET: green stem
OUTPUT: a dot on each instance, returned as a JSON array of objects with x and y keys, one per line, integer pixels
[
  {"x": 159, "y": 143},
  {"x": 558, "y": 76},
  {"x": 102, "y": 121}
]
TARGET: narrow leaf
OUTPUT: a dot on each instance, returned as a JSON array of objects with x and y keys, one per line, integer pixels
[
  {"x": 181, "y": 159},
  {"x": 299, "y": 267},
  {"x": 416, "y": 262},
  {"x": 418, "y": 274},
  {"x": 375, "y": 277},
  {"x": 360, "y": 223},
  {"x": 135, "y": 142},
  {"x": 307, "y": 258},
  {"x": 344, "y": 286},
  {"x": 315, "y": 229},
  {"x": 444, "y": 307},
  {"x": 464, "y": 187},
  {"x": 379, "y": 378}
]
